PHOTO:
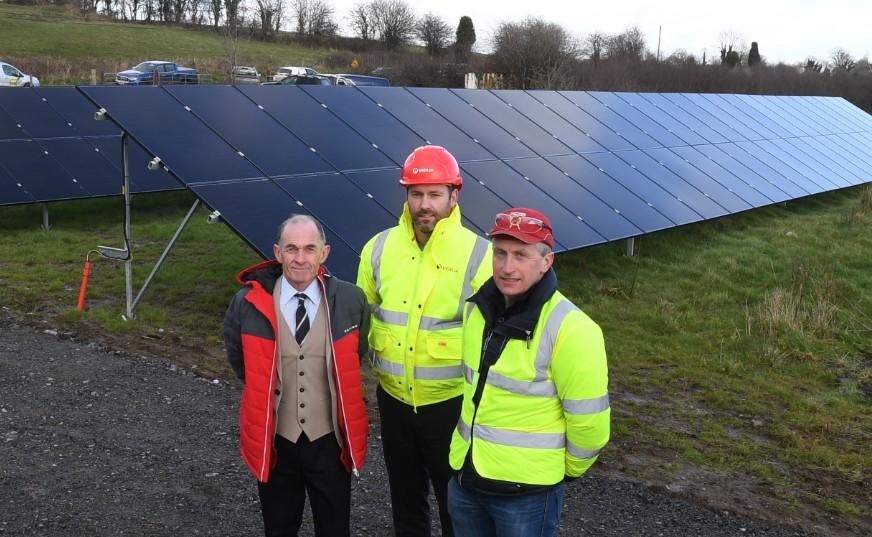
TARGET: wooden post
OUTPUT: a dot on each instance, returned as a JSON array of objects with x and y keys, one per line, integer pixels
[{"x": 93, "y": 77}]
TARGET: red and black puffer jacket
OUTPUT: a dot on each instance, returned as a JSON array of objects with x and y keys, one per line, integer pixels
[{"x": 250, "y": 338}]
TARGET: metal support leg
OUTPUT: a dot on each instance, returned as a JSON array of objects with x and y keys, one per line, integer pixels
[
  {"x": 165, "y": 252},
  {"x": 631, "y": 246},
  {"x": 128, "y": 263},
  {"x": 46, "y": 225}
]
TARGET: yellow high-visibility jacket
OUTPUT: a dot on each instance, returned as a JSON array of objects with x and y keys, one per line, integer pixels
[
  {"x": 544, "y": 409},
  {"x": 417, "y": 297}
]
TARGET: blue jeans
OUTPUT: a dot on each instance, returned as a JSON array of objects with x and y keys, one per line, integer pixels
[{"x": 475, "y": 514}]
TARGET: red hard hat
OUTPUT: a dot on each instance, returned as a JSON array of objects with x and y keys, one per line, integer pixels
[{"x": 431, "y": 165}]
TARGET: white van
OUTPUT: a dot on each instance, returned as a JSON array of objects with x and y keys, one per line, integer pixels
[
  {"x": 288, "y": 71},
  {"x": 11, "y": 76}
]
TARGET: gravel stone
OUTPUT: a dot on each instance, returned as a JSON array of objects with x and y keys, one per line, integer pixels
[{"x": 103, "y": 443}]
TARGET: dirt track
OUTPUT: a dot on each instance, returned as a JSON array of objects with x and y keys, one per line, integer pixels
[{"x": 101, "y": 443}]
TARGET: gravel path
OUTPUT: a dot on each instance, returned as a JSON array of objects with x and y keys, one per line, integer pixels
[{"x": 96, "y": 443}]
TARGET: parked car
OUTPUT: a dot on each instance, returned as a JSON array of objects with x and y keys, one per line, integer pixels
[
  {"x": 12, "y": 76},
  {"x": 166, "y": 72},
  {"x": 365, "y": 80},
  {"x": 242, "y": 74},
  {"x": 302, "y": 80},
  {"x": 288, "y": 71}
]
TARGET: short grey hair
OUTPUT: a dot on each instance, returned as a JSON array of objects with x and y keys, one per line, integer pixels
[
  {"x": 299, "y": 219},
  {"x": 543, "y": 248}
]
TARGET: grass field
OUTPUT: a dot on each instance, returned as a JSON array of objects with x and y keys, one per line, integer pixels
[
  {"x": 61, "y": 47},
  {"x": 742, "y": 345}
]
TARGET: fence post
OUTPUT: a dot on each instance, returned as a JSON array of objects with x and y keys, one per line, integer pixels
[{"x": 93, "y": 77}]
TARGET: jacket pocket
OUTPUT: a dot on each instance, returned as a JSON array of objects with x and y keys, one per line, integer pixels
[
  {"x": 444, "y": 348},
  {"x": 378, "y": 338}
]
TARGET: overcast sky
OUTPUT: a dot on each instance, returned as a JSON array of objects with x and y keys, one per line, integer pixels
[{"x": 785, "y": 30}]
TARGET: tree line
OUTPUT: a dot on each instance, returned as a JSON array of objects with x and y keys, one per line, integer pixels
[{"x": 527, "y": 54}]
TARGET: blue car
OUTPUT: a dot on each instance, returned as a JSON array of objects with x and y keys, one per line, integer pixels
[{"x": 165, "y": 72}]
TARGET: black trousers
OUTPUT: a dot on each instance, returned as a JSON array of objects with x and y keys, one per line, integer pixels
[
  {"x": 311, "y": 467},
  {"x": 416, "y": 453}
]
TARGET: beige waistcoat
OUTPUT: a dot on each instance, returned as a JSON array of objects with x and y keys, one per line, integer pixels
[{"x": 305, "y": 393}]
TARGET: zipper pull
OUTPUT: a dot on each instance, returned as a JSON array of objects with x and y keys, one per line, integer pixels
[{"x": 528, "y": 339}]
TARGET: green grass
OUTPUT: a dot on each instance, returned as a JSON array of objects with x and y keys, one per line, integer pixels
[
  {"x": 61, "y": 46},
  {"x": 742, "y": 344},
  {"x": 750, "y": 337}
]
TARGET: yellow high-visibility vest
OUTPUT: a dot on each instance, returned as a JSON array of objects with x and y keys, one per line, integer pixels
[
  {"x": 417, "y": 297},
  {"x": 544, "y": 410}
]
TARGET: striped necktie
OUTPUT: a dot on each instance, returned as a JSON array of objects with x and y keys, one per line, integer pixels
[{"x": 302, "y": 318}]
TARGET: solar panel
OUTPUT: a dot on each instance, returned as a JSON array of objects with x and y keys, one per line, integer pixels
[
  {"x": 11, "y": 191},
  {"x": 554, "y": 125},
  {"x": 604, "y": 166},
  {"x": 517, "y": 191},
  {"x": 630, "y": 132},
  {"x": 631, "y": 114},
  {"x": 607, "y": 220},
  {"x": 60, "y": 121},
  {"x": 377, "y": 126},
  {"x": 39, "y": 173},
  {"x": 495, "y": 140},
  {"x": 583, "y": 121},
  {"x": 317, "y": 127},
  {"x": 422, "y": 119}
]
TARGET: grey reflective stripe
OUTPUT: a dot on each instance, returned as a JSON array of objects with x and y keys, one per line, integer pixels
[
  {"x": 586, "y": 406},
  {"x": 388, "y": 367},
  {"x": 549, "y": 336},
  {"x": 463, "y": 429},
  {"x": 378, "y": 248},
  {"x": 469, "y": 306},
  {"x": 432, "y": 323},
  {"x": 475, "y": 259},
  {"x": 576, "y": 451},
  {"x": 398, "y": 318},
  {"x": 539, "y": 388},
  {"x": 468, "y": 374},
  {"x": 519, "y": 439},
  {"x": 438, "y": 373}
]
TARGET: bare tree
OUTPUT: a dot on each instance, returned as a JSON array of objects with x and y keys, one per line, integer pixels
[
  {"x": 729, "y": 41},
  {"x": 812, "y": 65},
  {"x": 215, "y": 8},
  {"x": 231, "y": 12},
  {"x": 314, "y": 18},
  {"x": 268, "y": 11},
  {"x": 840, "y": 58},
  {"x": 362, "y": 21},
  {"x": 629, "y": 44},
  {"x": 434, "y": 32},
  {"x": 535, "y": 53},
  {"x": 394, "y": 21},
  {"x": 681, "y": 57},
  {"x": 595, "y": 45}
]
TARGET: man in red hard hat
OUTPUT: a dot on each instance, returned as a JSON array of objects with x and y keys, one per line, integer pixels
[{"x": 417, "y": 276}]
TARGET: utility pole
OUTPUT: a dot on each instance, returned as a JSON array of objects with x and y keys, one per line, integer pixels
[{"x": 659, "y": 35}]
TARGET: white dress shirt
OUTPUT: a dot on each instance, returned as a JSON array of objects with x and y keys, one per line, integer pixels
[{"x": 288, "y": 304}]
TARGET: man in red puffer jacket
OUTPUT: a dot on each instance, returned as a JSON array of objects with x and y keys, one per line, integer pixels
[{"x": 293, "y": 336}]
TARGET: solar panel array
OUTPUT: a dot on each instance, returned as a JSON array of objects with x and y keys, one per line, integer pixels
[
  {"x": 52, "y": 149},
  {"x": 604, "y": 166}
]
